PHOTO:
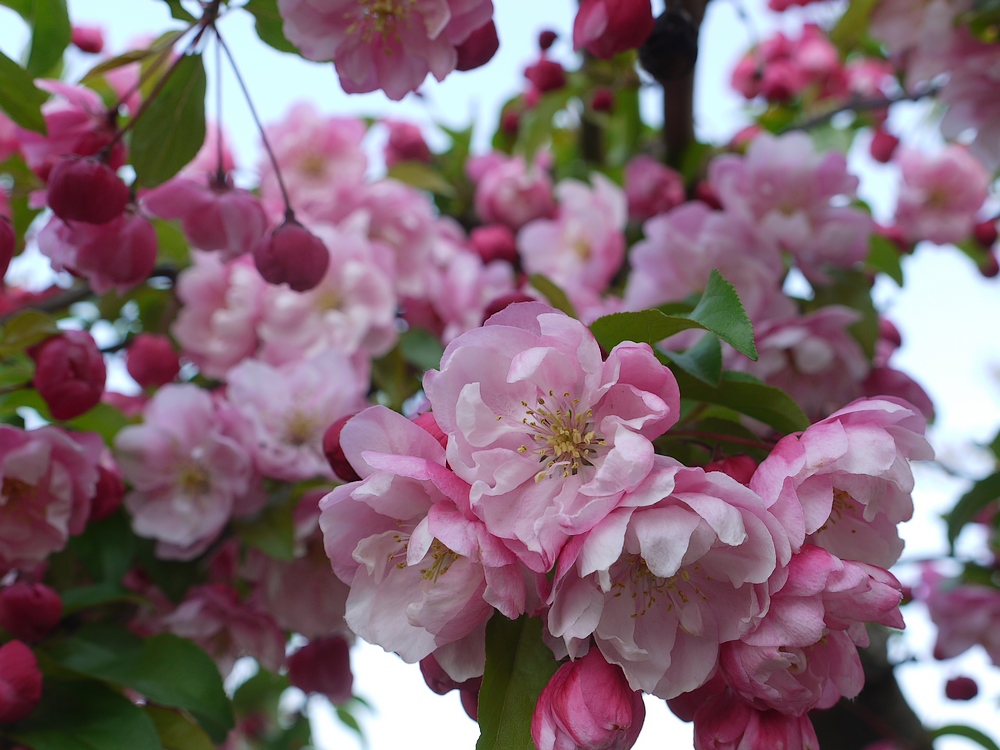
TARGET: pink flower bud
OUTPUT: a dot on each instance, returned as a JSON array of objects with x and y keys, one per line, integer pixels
[
  {"x": 479, "y": 48},
  {"x": 88, "y": 39},
  {"x": 707, "y": 195},
  {"x": 69, "y": 373},
  {"x": 29, "y": 611},
  {"x": 323, "y": 666},
  {"x": 985, "y": 233},
  {"x": 961, "y": 689},
  {"x": 20, "y": 682},
  {"x": 501, "y": 303},
  {"x": 335, "y": 453},
  {"x": 86, "y": 190},
  {"x": 606, "y": 27},
  {"x": 152, "y": 361},
  {"x": 406, "y": 143},
  {"x": 494, "y": 242},
  {"x": 441, "y": 683},
  {"x": 883, "y": 146},
  {"x": 651, "y": 188},
  {"x": 589, "y": 705},
  {"x": 740, "y": 468},
  {"x": 292, "y": 255},
  {"x": 546, "y": 39},
  {"x": 429, "y": 424},
  {"x": 8, "y": 244},
  {"x": 546, "y": 75},
  {"x": 110, "y": 491},
  {"x": 603, "y": 101}
]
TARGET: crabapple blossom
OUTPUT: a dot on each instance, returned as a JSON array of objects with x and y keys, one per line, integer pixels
[
  {"x": 20, "y": 682},
  {"x": 152, "y": 361},
  {"x": 549, "y": 435},
  {"x": 493, "y": 242},
  {"x": 606, "y": 27},
  {"x": 406, "y": 143},
  {"x": 29, "y": 611},
  {"x": 509, "y": 192},
  {"x": 544, "y": 75},
  {"x": 965, "y": 615},
  {"x": 323, "y": 666},
  {"x": 391, "y": 45},
  {"x": 69, "y": 373},
  {"x": 292, "y": 255},
  {"x": 651, "y": 188},
  {"x": 89, "y": 39},
  {"x": 86, "y": 190},
  {"x": 726, "y": 722},
  {"x": 186, "y": 474}
]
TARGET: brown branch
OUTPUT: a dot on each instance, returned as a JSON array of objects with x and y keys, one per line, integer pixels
[{"x": 862, "y": 105}]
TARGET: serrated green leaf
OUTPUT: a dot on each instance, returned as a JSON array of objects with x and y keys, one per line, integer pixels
[
  {"x": 421, "y": 348},
  {"x": 172, "y": 130},
  {"x": 518, "y": 666},
  {"x": 645, "y": 326},
  {"x": 553, "y": 294},
  {"x": 20, "y": 99},
  {"x": 176, "y": 731},
  {"x": 166, "y": 669},
  {"x": 853, "y": 25},
  {"x": 104, "y": 419},
  {"x": 421, "y": 176},
  {"x": 968, "y": 506},
  {"x": 884, "y": 257},
  {"x": 25, "y": 330},
  {"x": 703, "y": 360},
  {"x": 132, "y": 56},
  {"x": 720, "y": 311},
  {"x": 85, "y": 715},
  {"x": 50, "y": 36},
  {"x": 177, "y": 11},
  {"x": 272, "y": 531},
  {"x": 269, "y": 25},
  {"x": 960, "y": 730}
]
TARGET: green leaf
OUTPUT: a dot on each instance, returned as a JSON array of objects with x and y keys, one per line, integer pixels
[
  {"x": 132, "y": 56},
  {"x": 536, "y": 123},
  {"x": 104, "y": 419},
  {"x": 649, "y": 326},
  {"x": 269, "y": 25},
  {"x": 960, "y": 730},
  {"x": 85, "y": 715},
  {"x": 171, "y": 244},
  {"x": 884, "y": 257},
  {"x": 86, "y": 597},
  {"x": 16, "y": 370},
  {"x": 421, "y": 348},
  {"x": 20, "y": 99},
  {"x": 421, "y": 176},
  {"x": 25, "y": 330},
  {"x": 21, "y": 7},
  {"x": 260, "y": 694},
  {"x": 747, "y": 395},
  {"x": 703, "y": 360},
  {"x": 995, "y": 447},
  {"x": 176, "y": 731},
  {"x": 968, "y": 506},
  {"x": 172, "y": 130},
  {"x": 178, "y": 12},
  {"x": 107, "y": 548},
  {"x": 720, "y": 311},
  {"x": 49, "y": 37},
  {"x": 168, "y": 670},
  {"x": 272, "y": 531},
  {"x": 518, "y": 666},
  {"x": 555, "y": 296},
  {"x": 853, "y": 25}
]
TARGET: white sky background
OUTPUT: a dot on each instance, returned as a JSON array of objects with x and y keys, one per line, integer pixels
[{"x": 947, "y": 315}]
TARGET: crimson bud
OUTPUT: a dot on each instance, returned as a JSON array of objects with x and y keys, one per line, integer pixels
[
  {"x": 69, "y": 373},
  {"x": 985, "y": 233},
  {"x": 110, "y": 490},
  {"x": 86, "y": 190},
  {"x": 20, "y": 682},
  {"x": 8, "y": 244},
  {"x": 546, "y": 75},
  {"x": 479, "y": 48},
  {"x": 323, "y": 666},
  {"x": 501, "y": 303},
  {"x": 29, "y": 611},
  {"x": 883, "y": 146},
  {"x": 88, "y": 39},
  {"x": 292, "y": 255},
  {"x": 989, "y": 267},
  {"x": 335, "y": 453},
  {"x": 494, "y": 242},
  {"x": 152, "y": 361},
  {"x": 740, "y": 468},
  {"x": 961, "y": 689},
  {"x": 603, "y": 101},
  {"x": 606, "y": 27},
  {"x": 546, "y": 39}
]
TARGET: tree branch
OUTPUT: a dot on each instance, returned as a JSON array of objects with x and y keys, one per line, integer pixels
[{"x": 862, "y": 105}]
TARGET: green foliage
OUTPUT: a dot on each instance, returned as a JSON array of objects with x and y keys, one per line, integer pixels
[
  {"x": 960, "y": 730},
  {"x": 553, "y": 294},
  {"x": 746, "y": 395},
  {"x": 25, "y": 330},
  {"x": 703, "y": 360},
  {"x": 884, "y": 257},
  {"x": 518, "y": 666},
  {"x": 20, "y": 99},
  {"x": 168, "y": 670},
  {"x": 172, "y": 129},
  {"x": 50, "y": 35},
  {"x": 106, "y": 548},
  {"x": 178, "y": 12},
  {"x": 421, "y": 348},
  {"x": 132, "y": 56},
  {"x": 536, "y": 123},
  {"x": 85, "y": 715},
  {"x": 176, "y": 731},
  {"x": 970, "y": 504},
  {"x": 421, "y": 176},
  {"x": 272, "y": 531},
  {"x": 853, "y": 25},
  {"x": 268, "y": 24}
]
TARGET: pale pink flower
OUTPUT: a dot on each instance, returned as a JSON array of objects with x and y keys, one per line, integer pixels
[
  {"x": 48, "y": 480},
  {"x": 509, "y": 192},
  {"x": 389, "y": 45},
  {"x": 667, "y": 576},
  {"x": 651, "y": 188},
  {"x": 974, "y": 74},
  {"x": 187, "y": 476},
  {"x": 845, "y": 482},
  {"x": 940, "y": 195},
  {"x": 549, "y": 435},
  {"x": 584, "y": 246},
  {"x": 965, "y": 614},
  {"x": 222, "y": 305},
  {"x": 284, "y": 411}
]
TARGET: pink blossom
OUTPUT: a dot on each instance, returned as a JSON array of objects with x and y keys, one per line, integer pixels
[
  {"x": 667, "y": 576},
  {"x": 528, "y": 391},
  {"x": 846, "y": 481},
  {"x": 187, "y": 476},
  {"x": 8, "y": 140},
  {"x": 584, "y": 246},
  {"x": 587, "y": 704},
  {"x": 509, "y": 192},
  {"x": 20, "y": 683},
  {"x": 974, "y": 73},
  {"x": 216, "y": 326},
  {"x": 281, "y": 413},
  {"x": 965, "y": 615},
  {"x": 323, "y": 666},
  {"x": 406, "y": 143},
  {"x": 48, "y": 482},
  {"x": 391, "y": 46},
  {"x": 940, "y": 195},
  {"x": 727, "y": 723},
  {"x": 651, "y": 188},
  {"x": 607, "y": 27},
  {"x": 788, "y": 190}
]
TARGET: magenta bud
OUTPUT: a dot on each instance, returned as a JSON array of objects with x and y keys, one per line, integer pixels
[
  {"x": 985, "y": 233},
  {"x": 883, "y": 146},
  {"x": 961, "y": 689},
  {"x": 8, "y": 244},
  {"x": 152, "y": 361},
  {"x": 88, "y": 39},
  {"x": 335, "y": 453},
  {"x": 110, "y": 491},
  {"x": 501, "y": 303},
  {"x": 86, "y": 190},
  {"x": 510, "y": 122},
  {"x": 323, "y": 666},
  {"x": 29, "y": 611},
  {"x": 546, "y": 75},
  {"x": 479, "y": 48},
  {"x": 603, "y": 101},
  {"x": 69, "y": 373},
  {"x": 989, "y": 267},
  {"x": 740, "y": 468},
  {"x": 494, "y": 242},
  {"x": 546, "y": 39},
  {"x": 20, "y": 682},
  {"x": 292, "y": 255},
  {"x": 428, "y": 424}
]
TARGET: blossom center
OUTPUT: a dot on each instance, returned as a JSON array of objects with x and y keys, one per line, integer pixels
[
  {"x": 380, "y": 18},
  {"x": 646, "y": 588},
  {"x": 299, "y": 429},
  {"x": 441, "y": 559},
  {"x": 842, "y": 503},
  {"x": 194, "y": 480},
  {"x": 14, "y": 490},
  {"x": 564, "y": 435}
]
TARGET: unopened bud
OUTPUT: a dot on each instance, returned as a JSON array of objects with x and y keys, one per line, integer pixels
[
  {"x": 494, "y": 242},
  {"x": 87, "y": 190},
  {"x": 69, "y": 373},
  {"x": 603, "y": 101},
  {"x": 546, "y": 39},
  {"x": 152, "y": 361},
  {"x": 29, "y": 611},
  {"x": 8, "y": 244},
  {"x": 546, "y": 75},
  {"x": 961, "y": 689},
  {"x": 20, "y": 682},
  {"x": 883, "y": 146},
  {"x": 501, "y": 303},
  {"x": 323, "y": 666},
  {"x": 88, "y": 39},
  {"x": 335, "y": 453},
  {"x": 292, "y": 255},
  {"x": 479, "y": 48},
  {"x": 985, "y": 233}
]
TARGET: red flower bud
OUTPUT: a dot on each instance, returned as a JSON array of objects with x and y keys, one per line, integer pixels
[
  {"x": 292, "y": 255},
  {"x": 510, "y": 122},
  {"x": 8, "y": 244},
  {"x": 985, "y": 233},
  {"x": 110, "y": 491},
  {"x": 546, "y": 39},
  {"x": 152, "y": 361},
  {"x": 606, "y": 27},
  {"x": 428, "y": 424},
  {"x": 603, "y": 101},
  {"x": 989, "y": 267},
  {"x": 406, "y": 143},
  {"x": 707, "y": 195},
  {"x": 323, "y": 666},
  {"x": 86, "y": 190},
  {"x": 961, "y": 689},
  {"x": 479, "y": 48},
  {"x": 546, "y": 75},
  {"x": 335, "y": 454},
  {"x": 494, "y": 242},
  {"x": 69, "y": 373},
  {"x": 740, "y": 468},
  {"x": 501, "y": 303},
  {"x": 20, "y": 682},
  {"x": 883, "y": 146},
  {"x": 29, "y": 611},
  {"x": 88, "y": 39}
]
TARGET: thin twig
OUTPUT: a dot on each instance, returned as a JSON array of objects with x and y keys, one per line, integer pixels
[{"x": 861, "y": 105}]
